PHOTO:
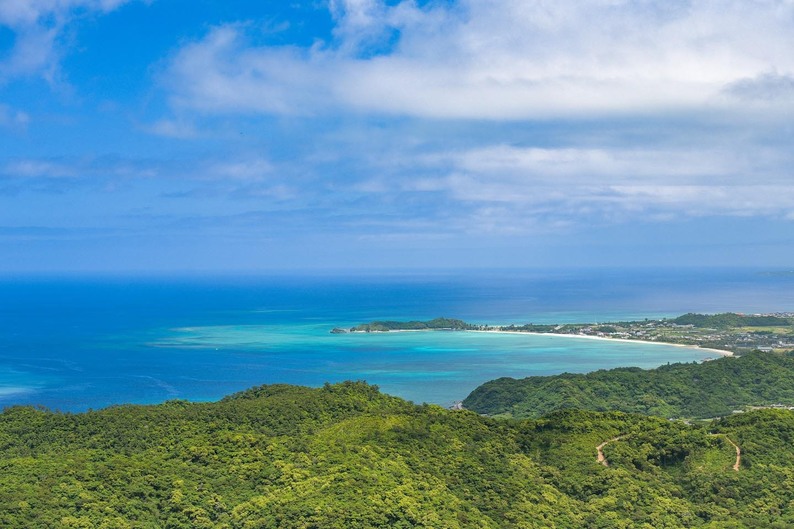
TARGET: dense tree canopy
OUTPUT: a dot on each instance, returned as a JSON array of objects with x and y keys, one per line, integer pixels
[
  {"x": 348, "y": 456},
  {"x": 698, "y": 390}
]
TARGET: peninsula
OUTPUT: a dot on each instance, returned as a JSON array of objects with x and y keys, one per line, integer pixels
[
  {"x": 730, "y": 332},
  {"x": 674, "y": 391},
  {"x": 437, "y": 324}
]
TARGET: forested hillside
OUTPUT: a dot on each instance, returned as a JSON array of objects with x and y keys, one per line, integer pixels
[
  {"x": 346, "y": 456},
  {"x": 732, "y": 320},
  {"x": 708, "y": 389}
]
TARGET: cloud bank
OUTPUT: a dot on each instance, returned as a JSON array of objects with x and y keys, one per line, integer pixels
[{"x": 503, "y": 59}]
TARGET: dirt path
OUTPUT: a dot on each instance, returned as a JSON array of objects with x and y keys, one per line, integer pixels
[
  {"x": 603, "y": 460},
  {"x": 738, "y": 462},
  {"x": 600, "y": 450},
  {"x": 738, "y": 453}
]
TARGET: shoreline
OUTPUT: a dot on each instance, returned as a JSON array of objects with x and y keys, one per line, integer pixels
[{"x": 720, "y": 352}]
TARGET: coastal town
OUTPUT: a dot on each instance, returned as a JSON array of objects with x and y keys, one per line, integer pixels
[{"x": 740, "y": 333}]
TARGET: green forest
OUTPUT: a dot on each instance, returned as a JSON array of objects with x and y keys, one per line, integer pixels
[
  {"x": 347, "y": 456},
  {"x": 697, "y": 390}
]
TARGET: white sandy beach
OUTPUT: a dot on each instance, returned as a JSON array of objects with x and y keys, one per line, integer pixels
[{"x": 720, "y": 352}]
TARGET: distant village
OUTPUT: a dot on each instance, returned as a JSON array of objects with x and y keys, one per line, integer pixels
[{"x": 765, "y": 332}]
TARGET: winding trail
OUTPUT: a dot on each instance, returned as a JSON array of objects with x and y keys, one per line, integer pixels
[
  {"x": 738, "y": 452},
  {"x": 600, "y": 449},
  {"x": 603, "y": 460}
]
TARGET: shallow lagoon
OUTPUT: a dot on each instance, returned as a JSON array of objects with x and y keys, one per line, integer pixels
[{"x": 433, "y": 366}]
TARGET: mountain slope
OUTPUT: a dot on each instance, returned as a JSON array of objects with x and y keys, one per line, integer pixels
[
  {"x": 710, "y": 389},
  {"x": 348, "y": 456}
]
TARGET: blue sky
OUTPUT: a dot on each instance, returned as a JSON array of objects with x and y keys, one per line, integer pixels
[{"x": 176, "y": 135}]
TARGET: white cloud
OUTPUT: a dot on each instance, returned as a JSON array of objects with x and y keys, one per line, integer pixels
[
  {"x": 587, "y": 164},
  {"x": 698, "y": 201},
  {"x": 510, "y": 189},
  {"x": 37, "y": 26},
  {"x": 500, "y": 59}
]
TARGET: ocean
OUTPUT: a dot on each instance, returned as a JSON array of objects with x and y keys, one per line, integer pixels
[{"x": 79, "y": 343}]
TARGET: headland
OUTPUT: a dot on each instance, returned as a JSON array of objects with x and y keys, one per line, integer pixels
[{"x": 723, "y": 334}]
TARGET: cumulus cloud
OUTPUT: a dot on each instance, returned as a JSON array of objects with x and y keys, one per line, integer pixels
[
  {"x": 504, "y": 61},
  {"x": 499, "y": 59},
  {"x": 37, "y": 25}
]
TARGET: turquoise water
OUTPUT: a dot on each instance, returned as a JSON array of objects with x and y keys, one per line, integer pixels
[
  {"x": 438, "y": 367},
  {"x": 74, "y": 344}
]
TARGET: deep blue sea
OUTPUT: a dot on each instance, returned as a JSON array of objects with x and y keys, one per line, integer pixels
[{"x": 78, "y": 343}]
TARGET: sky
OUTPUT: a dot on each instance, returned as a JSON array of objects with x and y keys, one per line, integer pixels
[{"x": 154, "y": 136}]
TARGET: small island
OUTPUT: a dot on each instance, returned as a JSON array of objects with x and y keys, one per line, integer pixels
[{"x": 730, "y": 332}]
